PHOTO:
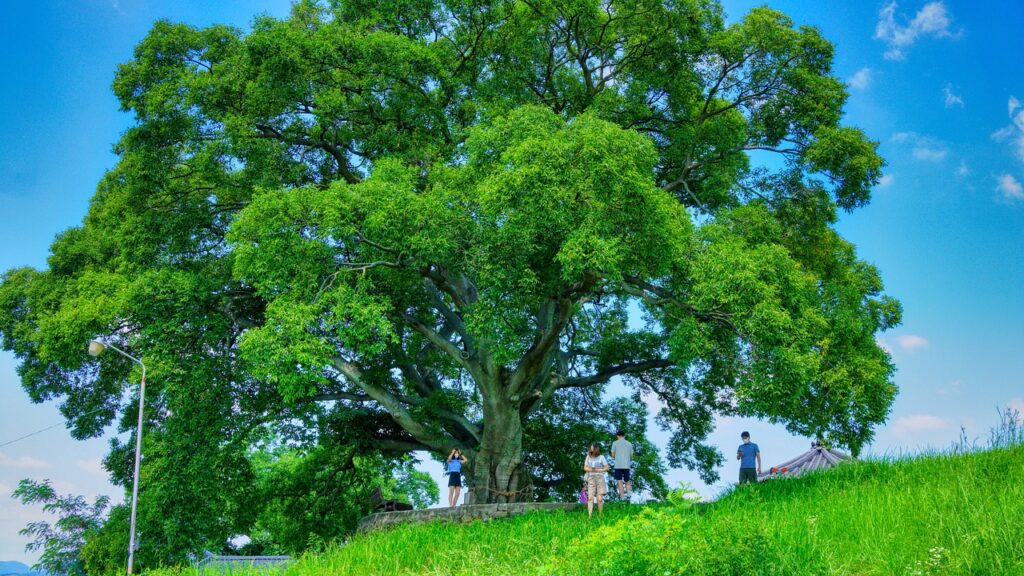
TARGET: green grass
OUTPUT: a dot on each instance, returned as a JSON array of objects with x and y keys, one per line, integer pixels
[{"x": 937, "y": 514}]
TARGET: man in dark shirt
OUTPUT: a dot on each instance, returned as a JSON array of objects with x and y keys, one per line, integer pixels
[{"x": 748, "y": 454}]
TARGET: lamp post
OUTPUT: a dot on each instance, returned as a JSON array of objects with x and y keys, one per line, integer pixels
[{"x": 96, "y": 347}]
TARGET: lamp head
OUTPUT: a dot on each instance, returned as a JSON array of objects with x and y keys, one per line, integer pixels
[{"x": 96, "y": 347}]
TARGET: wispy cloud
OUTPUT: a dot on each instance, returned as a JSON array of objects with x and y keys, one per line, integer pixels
[
  {"x": 912, "y": 342},
  {"x": 886, "y": 180},
  {"x": 93, "y": 466},
  {"x": 1003, "y": 133},
  {"x": 922, "y": 147},
  {"x": 951, "y": 389},
  {"x": 951, "y": 98},
  {"x": 1014, "y": 131},
  {"x": 861, "y": 79},
  {"x": 883, "y": 344},
  {"x": 908, "y": 425},
  {"x": 21, "y": 462},
  {"x": 1017, "y": 405},
  {"x": 1009, "y": 187},
  {"x": 931, "y": 20},
  {"x": 962, "y": 170},
  {"x": 653, "y": 403}
]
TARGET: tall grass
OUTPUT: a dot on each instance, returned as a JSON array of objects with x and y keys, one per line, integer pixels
[
  {"x": 499, "y": 547},
  {"x": 960, "y": 512}
]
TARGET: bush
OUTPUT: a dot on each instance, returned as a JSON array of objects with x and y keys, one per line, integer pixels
[{"x": 668, "y": 541}]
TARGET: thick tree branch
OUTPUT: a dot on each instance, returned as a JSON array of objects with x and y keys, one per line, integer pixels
[
  {"x": 462, "y": 357},
  {"x": 403, "y": 445},
  {"x": 460, "y": 290},
  {"x": 608, "y": 373},
  {"x": 451, "y": 317},
  {"x": 660, "y": 296},
  {"x": 267, "y": 131},
  {"x": 392, "y": 405},
  {"x": 553, "y": 317},
  {"x": 464, "y": 425}
]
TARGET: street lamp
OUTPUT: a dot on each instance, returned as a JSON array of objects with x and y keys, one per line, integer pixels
[{"x": 96, "y": 347}]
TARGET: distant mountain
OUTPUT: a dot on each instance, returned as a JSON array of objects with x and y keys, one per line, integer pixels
[{"x": 12, "y": 568}]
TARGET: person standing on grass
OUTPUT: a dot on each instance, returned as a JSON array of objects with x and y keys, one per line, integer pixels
[
  {"x": 594, "y": 468},
  {"x": 748, "y": 454},
  {"x": 622, "y": 454},
  {"x": 455, "y": 462}
]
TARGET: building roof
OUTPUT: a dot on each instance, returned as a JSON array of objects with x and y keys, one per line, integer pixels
[{"x": 817, "y": 458}]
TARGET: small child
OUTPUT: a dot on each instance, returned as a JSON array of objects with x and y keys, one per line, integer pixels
[{"x": 583, "y": 494}]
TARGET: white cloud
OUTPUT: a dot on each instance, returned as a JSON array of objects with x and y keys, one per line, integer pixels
[
  {"x": 1003, "y": 133},
  {"x": 922, "y": 147},
  {"x": 861, "y": 79},
  {"x": 21, "y": 462},
  {"x": 918, "y": 423},
  {"x": 951, "y": 98},
  {"x": 653, "y": 403},
  {"x": 1015, "y": 131},
  {"x": 951, "y": 389},
  {"x": 930, "y": 154},
  {"x": 92, "y": 466},
  {"x": 886, "y": 180},
  {"x": 1016, "y": 404},
  {"x": 1009, "y": 187},
  {"x": 883, "y": 344},
  {"x": 65, "y": 487},
  {"x": 931, "y": 20},
  {"x": 962, "y": 170},
  {"x": 911, "y": 342}
]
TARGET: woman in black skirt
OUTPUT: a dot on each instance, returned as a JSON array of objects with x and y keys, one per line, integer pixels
[{"x": 455, "y": 462}]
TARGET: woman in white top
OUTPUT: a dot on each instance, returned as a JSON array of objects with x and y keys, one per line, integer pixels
[{"x": 594, "y": 468}]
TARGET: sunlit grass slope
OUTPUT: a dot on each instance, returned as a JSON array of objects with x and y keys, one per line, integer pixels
[{"x": 939, "y": 514}]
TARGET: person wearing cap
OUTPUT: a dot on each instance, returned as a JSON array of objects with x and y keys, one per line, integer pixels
[
  {"x": 748, "y": 454},
  {"x": 622, "y": 454}
]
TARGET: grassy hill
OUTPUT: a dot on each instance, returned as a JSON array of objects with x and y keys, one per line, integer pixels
[{"x": 938, "y": 514}]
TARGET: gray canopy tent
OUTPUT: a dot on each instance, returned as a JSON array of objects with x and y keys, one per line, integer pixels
[{"x": 817, "y": 458}]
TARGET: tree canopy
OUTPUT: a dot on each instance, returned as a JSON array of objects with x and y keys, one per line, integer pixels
[{"x": 416, "y": 224}]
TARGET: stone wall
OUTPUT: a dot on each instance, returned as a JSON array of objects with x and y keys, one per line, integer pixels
[{"x": 466, "y": 513}]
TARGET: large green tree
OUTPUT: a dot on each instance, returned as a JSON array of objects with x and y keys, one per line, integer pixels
[{"x": 415, "y": 224}]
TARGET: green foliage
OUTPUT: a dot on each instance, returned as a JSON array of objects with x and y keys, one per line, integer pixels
[
  {"x": 62, "y": 542},
  {"x": 669, "y": 543},
  {"x": 319, "y": 496},
  {"x": 684, "y": 497},
  {"x": 670, "y": 540},
  {"x": 106, "y": 549},
  {"x": 556, "y": 442}
]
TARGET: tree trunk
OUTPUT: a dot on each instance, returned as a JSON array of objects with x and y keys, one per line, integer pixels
[{"x": 497, "y": 474}]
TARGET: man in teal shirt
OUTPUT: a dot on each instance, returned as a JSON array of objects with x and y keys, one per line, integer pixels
[{"x": 748, "y": 454}]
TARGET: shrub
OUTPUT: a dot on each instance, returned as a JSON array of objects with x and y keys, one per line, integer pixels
[{"x": 667, "y": 541}]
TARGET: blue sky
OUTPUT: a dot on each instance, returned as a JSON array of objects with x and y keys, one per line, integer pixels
[{"x": 939, "y": 84}]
